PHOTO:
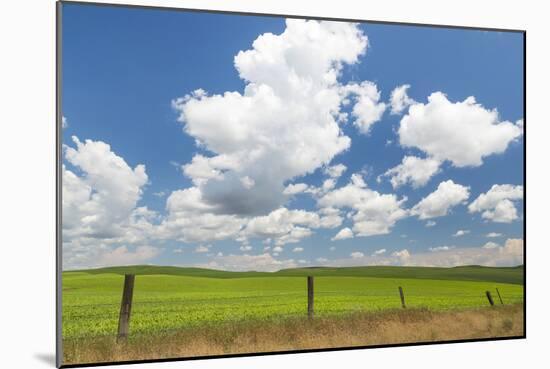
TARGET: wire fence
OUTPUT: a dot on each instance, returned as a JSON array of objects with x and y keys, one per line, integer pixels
[{"x": 170, "y": 314}]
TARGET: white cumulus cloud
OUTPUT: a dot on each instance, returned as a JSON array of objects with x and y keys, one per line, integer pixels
[
  {"x": 462, "y": 132},
  {"x": 262, "y": 262},
  {"x": 124, "y": 256},
  {"x": 294, "y": 189},
  {"x": 447, "y": 195},
  {"x": 461, "y": 232},
  {"x": 343, "y": 234},
  {"x": 284, "y": 124},
  {"x": 101, "y": 216},
  {"x": 400, "y": 100},
  {"x": 367, "y": 109},
  {"x": 414, "y": 170},
  {"x": 201, "y": 249},
  {"x": 511, "y": 254},
  {"x": 491, "y": 245},
  {"x": 285, "y": 226},
  {"x": 373, "y": 213},
  {"x": 335, "y": 171},
  {"x": 497, "y": 203},
  {"x": 403, "y": 255}
]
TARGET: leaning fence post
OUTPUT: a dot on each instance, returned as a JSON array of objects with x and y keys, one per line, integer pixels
[
  {"x": 500, "y": 298},
  {"x": 125, "y": 307},
  {"x": 490, "y": 298},
  {"x": 310, "y": 297},
  {"x": 402, "y": 297}
]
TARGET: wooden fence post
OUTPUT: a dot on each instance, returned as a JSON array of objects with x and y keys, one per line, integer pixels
[
  {"x": 490, "y": 298},
  {"x": 125, "y": 307},
  {"x": 500, "y": 298},
  {"x": 402, "y": 297},
  {"x": 310, "y": 297}
]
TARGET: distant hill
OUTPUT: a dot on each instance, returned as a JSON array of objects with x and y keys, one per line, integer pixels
[
  {"x": 464, "y": 273},
  {"x": 512, "y": 275}
]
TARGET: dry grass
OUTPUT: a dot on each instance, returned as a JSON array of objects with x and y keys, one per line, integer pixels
[{"x": 362, "y": 329}]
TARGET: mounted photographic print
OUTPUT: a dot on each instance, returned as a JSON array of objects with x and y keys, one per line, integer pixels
[{"x": 234, "y": 183}]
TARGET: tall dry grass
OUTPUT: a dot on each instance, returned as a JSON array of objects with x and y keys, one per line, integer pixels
[{"x": 360, "y": 329}]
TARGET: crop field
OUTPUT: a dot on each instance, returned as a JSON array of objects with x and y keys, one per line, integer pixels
[{"x": 171, "y": 299}]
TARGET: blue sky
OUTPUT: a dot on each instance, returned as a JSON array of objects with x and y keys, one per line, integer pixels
[{"x": 124, "y": 69}]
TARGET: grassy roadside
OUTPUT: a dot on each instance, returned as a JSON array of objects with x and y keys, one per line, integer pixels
[{"x": 358, "y": 329}]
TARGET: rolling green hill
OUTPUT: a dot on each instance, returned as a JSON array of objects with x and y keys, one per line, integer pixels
[{"x": 512, "y": 275}]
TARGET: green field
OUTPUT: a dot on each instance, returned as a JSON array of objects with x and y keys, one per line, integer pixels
[{"x": 171, "y": 298}]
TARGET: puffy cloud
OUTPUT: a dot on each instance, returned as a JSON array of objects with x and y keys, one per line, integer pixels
[
  {"x": 462, "y": 132},
  {"x": 298, "y": 249},
  {"x": 123, "y": 256},
  {"x": 277, "y": 249},
  {"x": 100, "y": 212},
  {"x": 191, "y": 219},
  {"x": 201, "y": 169},
  {"x": 285, "y": 123},
  {"x": 493, "y": 235},
  {"x": 400, "y": 100},
  {"x": 413, "y": 170},
  {"x": 430, "y": 223},
  {"x": 330, "y": 217},
  {"x": 335, "y": 171},
  {"x": 64, "y": 122},
  {"x": 441, "y": 248},
  {"x": 491, "y": 254},
  {"x": 491, "y": 245},
  {"x": 461, "y": 232},
  {"x": 447, "y": 195},
  {"x": 307, "y": 51},
  {"x": 513, "y": 248},
  {"x": 328, "y": 185},
  {"x": 285, "y": 226},
  {"x": 293, "y": 189},
  {"x": 374, "y": 213},
  {"x": 496, "y": 204},
  {"x": 262, "y": 262},
  {"x": 379, "y": 252},
  {"x": 367, "y": 109},
  {"x": 107, "y": 193},
  {"x": 281, "y": 221},
  {"x": 402, "y": 255},
  {"x": 357, "y": 255},
  {"x": 511, "y": 254},
  {"x": 343, "y": 234},
  {"x": 201, "y": 249}
]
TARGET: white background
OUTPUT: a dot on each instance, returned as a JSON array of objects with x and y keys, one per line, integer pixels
[{"x": 27, "y": 192}]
